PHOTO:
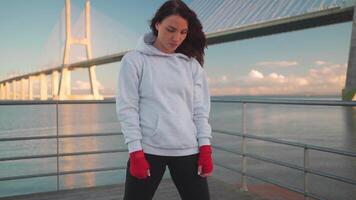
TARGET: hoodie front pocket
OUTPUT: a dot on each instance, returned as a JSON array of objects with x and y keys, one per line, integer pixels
[{"x": 174, "y": 132}]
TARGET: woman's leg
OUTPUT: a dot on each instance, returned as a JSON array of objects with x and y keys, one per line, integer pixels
[
  {"x": 184, "y": 172},
  {"x": 144, "y": 189}
]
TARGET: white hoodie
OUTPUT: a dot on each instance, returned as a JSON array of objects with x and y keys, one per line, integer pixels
[{"x": 163, "y": 101}]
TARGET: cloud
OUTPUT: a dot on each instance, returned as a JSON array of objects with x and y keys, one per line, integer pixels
[
  {"x": 254, "y": 74},
  {"x": 328, "y": 80},
  {"x": 320, "y": 62},
  {"x": 277, "y": 77},
  {"x": 277, "y": 63}
]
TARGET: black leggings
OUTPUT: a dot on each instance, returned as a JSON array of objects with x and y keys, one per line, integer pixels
[{"x": 183, "y": 170}]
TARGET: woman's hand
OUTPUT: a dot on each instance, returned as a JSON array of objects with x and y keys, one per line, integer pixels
[
  {"x": 139, "y": 166},
  {"x": 205, "y": 161}
]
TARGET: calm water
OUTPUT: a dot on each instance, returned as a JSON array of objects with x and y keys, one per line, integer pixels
[{"x": 333, "y": 127}]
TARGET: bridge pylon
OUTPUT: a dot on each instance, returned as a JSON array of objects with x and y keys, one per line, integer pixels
[
  {"x": 349, "y": 92},
  {"x": 64, "y": 86}
]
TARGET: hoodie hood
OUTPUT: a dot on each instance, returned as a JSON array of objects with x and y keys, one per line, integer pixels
[{"x": 145, "y": 46}]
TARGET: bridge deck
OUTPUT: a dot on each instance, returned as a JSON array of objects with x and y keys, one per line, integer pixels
[{"x": 219, "y": 191}]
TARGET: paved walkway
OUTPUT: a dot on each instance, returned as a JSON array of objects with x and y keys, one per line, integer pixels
[{"x": 219, "y": 191}]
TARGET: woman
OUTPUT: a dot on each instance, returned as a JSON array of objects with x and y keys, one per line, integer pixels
[{"x": 163, "y": 105}]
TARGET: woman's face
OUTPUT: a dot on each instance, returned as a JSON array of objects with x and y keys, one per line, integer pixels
[{"x": 172, "y": 31}]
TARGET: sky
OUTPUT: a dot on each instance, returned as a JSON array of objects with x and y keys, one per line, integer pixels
[{"x": 310, "y": 62}]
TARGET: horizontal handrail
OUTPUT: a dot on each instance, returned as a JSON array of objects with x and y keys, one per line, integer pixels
[
  {"x": 250, "y": 101},
  {"x": 289, "y": 165},
  {"x": 331, "y": 176},
  {"x": 61, "y": 173},
  {"x": 60, "y": 136},
  {"x": 276, "y": 162},
  {"x": 296, "y": 144},
  {"x": 63, "y": 154},
  {"x": 286, "y": 164},
  {"x": 232, "y": 133},
  {"x": 289, "y": 102},
  {"x": 227, "y": 150},
  {"x": 257, "y": 157},
  {"x": 54, "y": 102}
]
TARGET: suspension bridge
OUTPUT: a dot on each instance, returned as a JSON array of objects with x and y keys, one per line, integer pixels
[{"x": 223, "y": 21}]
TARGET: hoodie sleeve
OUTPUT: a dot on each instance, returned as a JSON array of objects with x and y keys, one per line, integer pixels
[
  {"x": 201, "y": 106},
  {"x": 127, "y": 100}
]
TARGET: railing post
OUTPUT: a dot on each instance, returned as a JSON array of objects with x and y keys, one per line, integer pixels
[
  {"x": 243, "y": 149},
  {"x": 306, "y": 167},
  {"x": 57, "y": 139}
]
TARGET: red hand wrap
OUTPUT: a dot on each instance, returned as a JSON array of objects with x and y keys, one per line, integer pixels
[
  {"x": 138, "y": 165},
  {"x": 205, "y": 159}
]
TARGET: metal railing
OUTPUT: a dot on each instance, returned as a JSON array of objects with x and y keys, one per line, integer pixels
[
  {"x": 306, "y": 149},
  {"x": 57, "y": 137},
  {"x": 244, "y": 135}
]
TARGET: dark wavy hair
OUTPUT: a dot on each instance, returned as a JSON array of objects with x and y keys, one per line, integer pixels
[{"x": 195, "y": 42}]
